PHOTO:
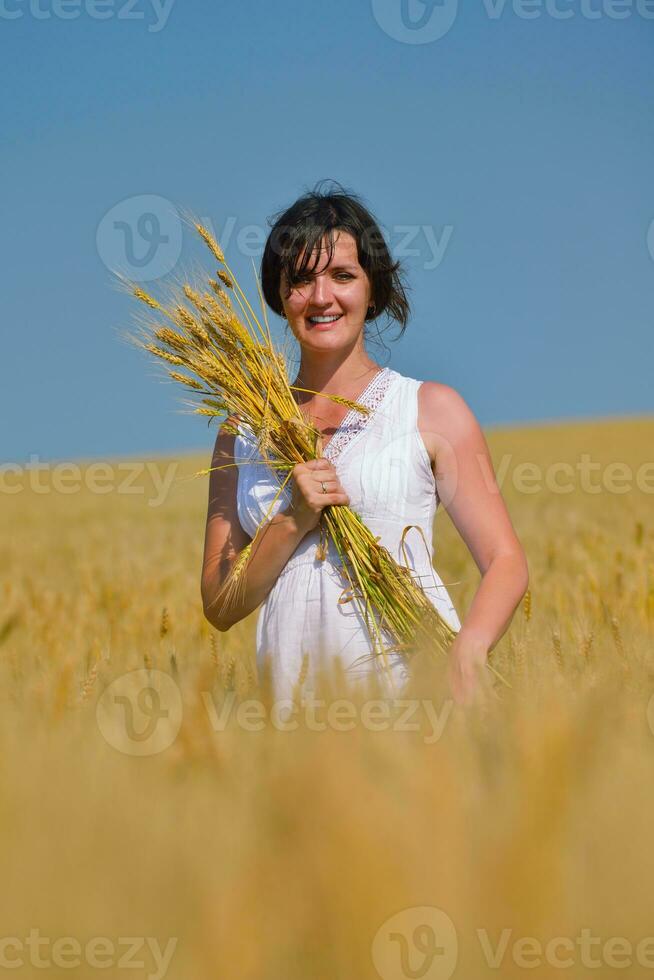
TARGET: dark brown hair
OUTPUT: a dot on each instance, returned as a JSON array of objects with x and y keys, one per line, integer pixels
[{"x": 298, "y": 232}]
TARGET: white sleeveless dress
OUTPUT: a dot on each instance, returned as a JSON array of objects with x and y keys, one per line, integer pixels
[{"x": 383, "y": 465}]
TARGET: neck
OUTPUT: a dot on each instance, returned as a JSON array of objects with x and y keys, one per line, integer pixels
[{"x": 335, "y": 373}]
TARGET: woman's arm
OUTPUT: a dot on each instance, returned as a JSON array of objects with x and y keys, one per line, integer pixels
[
  {"x": 225, "y": 539},
  {"x": 469, "y": 492}
]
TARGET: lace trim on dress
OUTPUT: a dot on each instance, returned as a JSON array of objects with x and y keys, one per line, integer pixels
[{"x": 353, "y": 423}]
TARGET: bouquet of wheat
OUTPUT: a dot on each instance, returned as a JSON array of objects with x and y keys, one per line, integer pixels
[{"x": 232, "y": 363}]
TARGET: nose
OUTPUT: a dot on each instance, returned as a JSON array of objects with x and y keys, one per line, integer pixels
[{"x": 322, "y": 294}]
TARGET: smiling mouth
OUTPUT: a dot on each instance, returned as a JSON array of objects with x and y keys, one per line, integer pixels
[{"x": 319, "y": 321}]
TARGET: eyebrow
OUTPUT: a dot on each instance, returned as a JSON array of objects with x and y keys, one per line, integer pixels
[{"x": 340, "y": 268}]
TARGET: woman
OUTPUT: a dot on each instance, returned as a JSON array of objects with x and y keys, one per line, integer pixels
[{"x": 326, "y": 269}]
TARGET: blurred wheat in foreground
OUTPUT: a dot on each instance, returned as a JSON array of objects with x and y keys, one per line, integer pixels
[{"x": 498, "y": 841}]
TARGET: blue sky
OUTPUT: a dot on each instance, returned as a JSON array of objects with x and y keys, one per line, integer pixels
[{"x": 507, "y": 157}]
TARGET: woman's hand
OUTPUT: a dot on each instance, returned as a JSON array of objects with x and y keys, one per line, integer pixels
[
  {"x": 308, "y": 498},
  {"x": 467, "y": 657}
]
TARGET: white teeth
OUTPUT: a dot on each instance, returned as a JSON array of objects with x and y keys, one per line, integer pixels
[{"x": 324, "y": 319}]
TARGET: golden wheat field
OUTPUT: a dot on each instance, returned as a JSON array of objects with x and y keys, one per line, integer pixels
[{"x": 372, "y": 839}]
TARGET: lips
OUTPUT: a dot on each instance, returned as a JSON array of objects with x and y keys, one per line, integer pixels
[{"x": 328, "y": 323}]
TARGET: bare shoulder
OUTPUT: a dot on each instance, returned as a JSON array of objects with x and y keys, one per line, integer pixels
[
  {"x": 444, "y": 418},
  {"x": 226, "y": 434},
  {"x": 435, "y": 396},
  {"x": 230, "y": 425}
]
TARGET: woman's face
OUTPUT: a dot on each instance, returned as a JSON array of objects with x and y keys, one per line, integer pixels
[{"x": 340, "y": 289}]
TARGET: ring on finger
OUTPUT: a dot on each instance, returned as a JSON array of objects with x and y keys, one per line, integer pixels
[{"x": 324, "y": 488}]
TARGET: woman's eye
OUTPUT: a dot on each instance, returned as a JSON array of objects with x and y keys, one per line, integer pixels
[{"x": 301, "y": 280}]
